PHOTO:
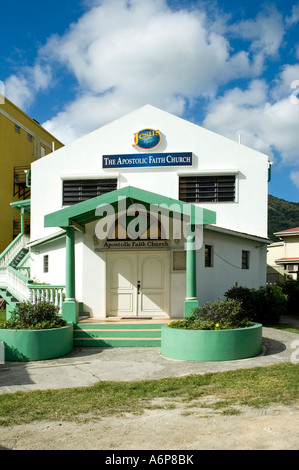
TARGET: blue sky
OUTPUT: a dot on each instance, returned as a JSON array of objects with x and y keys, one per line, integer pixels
[{"x": 231, "y": 67}]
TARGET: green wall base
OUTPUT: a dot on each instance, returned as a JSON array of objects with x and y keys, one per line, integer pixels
[
  {"x": 70, "y": 311},
  {"x": 190, "y": 305}
]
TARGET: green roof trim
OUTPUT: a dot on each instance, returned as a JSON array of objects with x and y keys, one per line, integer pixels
[
  {"x": 86, "y": 211},
  {"x": 26, "y": 204}
]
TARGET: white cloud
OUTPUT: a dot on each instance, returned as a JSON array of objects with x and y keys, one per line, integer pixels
[
  {"x": 21, "y": 89},
  {"x": 263, "y": 125},
  {"x": 294, "y": 17},
  {"x": 125, "y": 55},
  {"x": 265, "y": 32},
  {"x": 283, "y": 85},
  {"x": 18, "y": 91},
  {"x": 295, "y": 178}
]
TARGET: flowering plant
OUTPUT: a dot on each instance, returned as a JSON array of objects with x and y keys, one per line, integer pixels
[
  {"x": 216, "y": 315},
  {"x": 39, "y": 316}
]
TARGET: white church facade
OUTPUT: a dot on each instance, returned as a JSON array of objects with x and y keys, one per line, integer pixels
[{"x": 148, "y": 216}]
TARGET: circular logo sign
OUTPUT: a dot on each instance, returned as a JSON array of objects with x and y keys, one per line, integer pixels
[{"x": 147, "y": 139}]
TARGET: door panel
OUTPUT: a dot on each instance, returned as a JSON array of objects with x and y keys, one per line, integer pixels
[
  {"x": 121, "y": 281},
  {"x": 138, "y": 284},
  {"x": 152, "y": 276}
]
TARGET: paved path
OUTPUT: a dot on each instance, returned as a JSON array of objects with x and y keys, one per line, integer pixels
[{"x": 85, "y": 366}]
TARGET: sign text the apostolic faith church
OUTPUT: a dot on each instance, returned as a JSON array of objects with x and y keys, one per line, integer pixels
[{"x": 147, "y": 160}]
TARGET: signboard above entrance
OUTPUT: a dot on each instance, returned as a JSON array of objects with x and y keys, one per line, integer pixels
[
  {"x": 147, "y": 160},
  {"x": 134, "y": 244}
]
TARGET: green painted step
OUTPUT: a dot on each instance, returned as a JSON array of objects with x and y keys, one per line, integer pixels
[{"x": 117, "y": 335}]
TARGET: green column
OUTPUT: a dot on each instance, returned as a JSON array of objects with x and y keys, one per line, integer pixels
[
  {"x": 70, "y": 264},
  {"x": 191, "y": 301},
  {"x": 70, "y": 311},
  {"x": 22, "y": 222}
]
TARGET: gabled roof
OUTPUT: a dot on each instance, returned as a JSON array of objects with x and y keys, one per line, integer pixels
[
  {"x": 287, "y": 260},
  {"x": 87, "y": 211},
  {"x": 290, "y": 231}
]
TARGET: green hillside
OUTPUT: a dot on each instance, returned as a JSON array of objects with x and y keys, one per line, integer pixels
[{"x": 282, "y": 215}]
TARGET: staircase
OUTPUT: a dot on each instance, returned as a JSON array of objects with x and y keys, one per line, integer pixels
[
  {"x": 10, "y": 299},
  {"x": 15, "y": 283},
  {"x": 17, "y": 261},
  {"x": 111, "y": 335}
]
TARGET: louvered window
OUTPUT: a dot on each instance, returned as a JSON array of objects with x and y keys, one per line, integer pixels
[
  {"x": 207, "y": 188},
  {"x": 75, "y": 191}
]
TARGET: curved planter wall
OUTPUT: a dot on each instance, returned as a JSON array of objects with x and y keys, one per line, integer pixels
[
  {"x": 211, "y": 345},
  {"x": 37, "y": 345}
]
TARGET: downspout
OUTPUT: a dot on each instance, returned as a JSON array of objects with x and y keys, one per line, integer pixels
[
  {"x": 22, "y": 222},
  {"x": 269, "y": 171},
  {"x": 28, "y": 175}
]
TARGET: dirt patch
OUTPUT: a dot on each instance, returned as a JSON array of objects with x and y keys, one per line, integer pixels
[{"x": 165, "y": 428}]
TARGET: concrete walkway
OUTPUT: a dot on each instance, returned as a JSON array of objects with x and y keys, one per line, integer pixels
[{"x": 86, "y": 366}]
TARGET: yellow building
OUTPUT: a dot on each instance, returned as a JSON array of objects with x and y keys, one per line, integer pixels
[
  {"x": 283, "y": 256},
  {"x": 22, "y": 141}
]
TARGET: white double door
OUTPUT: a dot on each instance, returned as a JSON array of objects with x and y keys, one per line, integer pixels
[{"x": 138, "y": 284}]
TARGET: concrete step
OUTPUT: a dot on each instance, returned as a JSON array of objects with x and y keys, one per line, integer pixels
[{"x": 118, "y": 335}]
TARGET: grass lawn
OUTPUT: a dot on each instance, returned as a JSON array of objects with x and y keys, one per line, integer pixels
[{"x": 257, "y": 387}]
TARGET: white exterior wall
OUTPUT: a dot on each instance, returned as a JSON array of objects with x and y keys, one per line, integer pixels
[
  {"x": 213, "y": 282},
  {"x": 212, "y": 154}
]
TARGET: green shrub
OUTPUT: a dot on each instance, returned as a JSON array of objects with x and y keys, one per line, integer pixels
[
  {"x": 263, "y": 305},
  {"x": 217, "y": 315},
  {"x": 39, "y": 316},
  {"x": 291, "y": 289}
]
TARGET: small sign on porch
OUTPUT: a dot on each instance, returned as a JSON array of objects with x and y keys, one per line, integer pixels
[{"x": 134, "y": 244}]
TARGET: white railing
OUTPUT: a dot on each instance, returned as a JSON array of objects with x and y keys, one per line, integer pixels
[
  {"x": 15, "y": 282},
  {"x": 53, "y": 294},
  {"x": 13, "y": 249},
  {"x": 22, "y": 288}
]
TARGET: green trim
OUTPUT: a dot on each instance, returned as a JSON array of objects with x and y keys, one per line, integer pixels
[
  {"x": 26, "y": 204},
  {"x": 70, "y": 264},
  {"x": 28, "y": 176},
  {"x": 191, "y": 301},
  {"x": 190, "y": 265},
  {"x": 117, "y": 335},
  {"x": 15, "y": 272},
  {"x": 189, "y": 306},
  {"x": 44, "y": 286},
  {"x": 85, "y": 212},
  {"x": 70, "y": 311}
]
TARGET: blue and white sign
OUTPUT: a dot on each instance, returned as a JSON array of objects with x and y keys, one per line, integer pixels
[
  {"x": 147, "y": 139},
  {"x": 147, "y": 160}
]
